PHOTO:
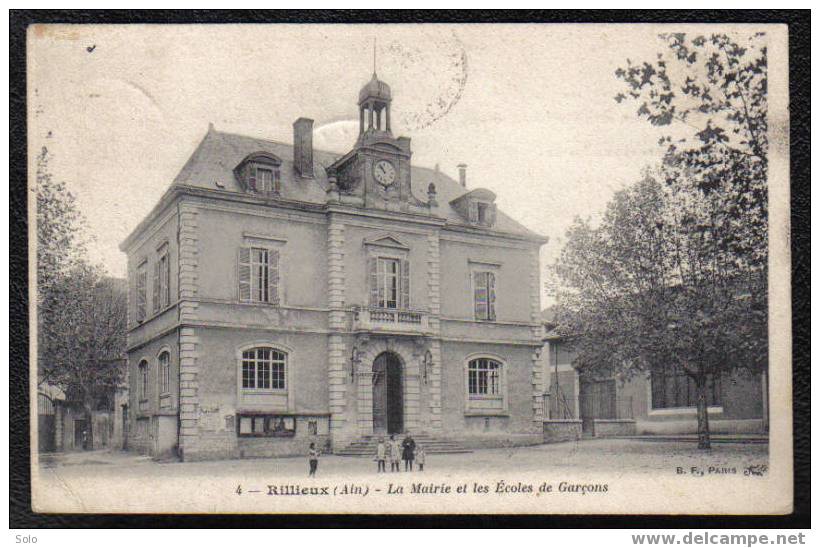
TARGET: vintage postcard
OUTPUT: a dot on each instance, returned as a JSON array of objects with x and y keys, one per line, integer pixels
[{"x": 391, "y": 269}]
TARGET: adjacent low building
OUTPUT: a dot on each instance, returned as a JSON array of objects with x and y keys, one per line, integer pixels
[{"x": 662, "y": 402}]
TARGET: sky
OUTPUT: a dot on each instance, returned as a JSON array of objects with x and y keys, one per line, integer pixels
[{"x": 529, "y": 108}]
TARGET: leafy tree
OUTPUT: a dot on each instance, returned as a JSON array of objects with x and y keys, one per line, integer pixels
[
  {"x": 83, "y": 336},
  {"x": 60, "y": 243},
  {"x": 81, "y": 314},
  {"x": 653, "y": 286},
  {"x": 711, "y": 94},
  {"x": 676, "y": 272}
]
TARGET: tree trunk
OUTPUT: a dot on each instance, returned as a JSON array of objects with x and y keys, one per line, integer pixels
[
  {"x": 88, "y": 443},
  {"x": 704, "y": 441}
]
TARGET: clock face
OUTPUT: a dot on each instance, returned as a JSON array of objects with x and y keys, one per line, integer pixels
[{"x": 384, "y": 172}]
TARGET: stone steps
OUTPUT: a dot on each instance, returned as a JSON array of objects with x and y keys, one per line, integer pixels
[{"x": 366, "y": 446}]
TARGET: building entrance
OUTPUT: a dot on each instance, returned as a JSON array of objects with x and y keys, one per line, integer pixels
[{"x": 388, "y": 404}]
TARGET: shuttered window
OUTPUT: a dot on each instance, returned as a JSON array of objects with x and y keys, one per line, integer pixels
[
  {"x": 258, "y": 275},
  {"x": 161, "y": 294},
  {"x": 141, "y": 289},
  {"x": 165, "y": 277},
  {"x": 389, "y": 281},
  {"x": 482, "y": 213},
  {"x": 264, "y": 179},
  {"x": 484, "y": 295},
  {"x": 156, "y": 286}
]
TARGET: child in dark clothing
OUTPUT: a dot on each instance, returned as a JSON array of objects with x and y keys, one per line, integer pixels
[{"x": 313, "y": 459}]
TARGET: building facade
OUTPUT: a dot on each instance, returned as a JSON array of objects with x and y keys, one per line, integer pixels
[
  {"x": 662, "y": 402},
  {"x": 281, "y": 295}
]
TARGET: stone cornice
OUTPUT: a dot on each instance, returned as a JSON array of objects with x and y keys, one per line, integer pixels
[{"x": 176, "y": 191}]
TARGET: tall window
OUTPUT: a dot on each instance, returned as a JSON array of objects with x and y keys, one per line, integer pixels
[
  {"x": 162, "y": 277},
  {"x": 142, "y": 290},
  {"x": 258, "y": 275},
  {"x": 164, "y": 373},
  {"x": 263, "y": 368},
  {"x": 389, "y": 282},
  {"x": 142, "y": 389},
  {"x": 484, "y": 295},
  {"x": 673, "y": 388},
  {"x": 484, "y": 377}
]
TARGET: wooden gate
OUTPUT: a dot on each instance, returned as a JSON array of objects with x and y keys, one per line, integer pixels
[{"x": 46, "y": 425}]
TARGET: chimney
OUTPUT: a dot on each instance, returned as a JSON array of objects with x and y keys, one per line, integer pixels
[
  {"x": 462, "y": 175},
  {"x": 303, "y": 146}
]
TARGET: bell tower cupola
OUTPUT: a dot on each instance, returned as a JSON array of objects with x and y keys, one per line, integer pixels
[
  {"x": 376, "y": 173},
  {"x": 374, "y": 107}
]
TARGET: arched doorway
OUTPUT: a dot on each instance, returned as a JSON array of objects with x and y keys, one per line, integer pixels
[{"x": 388, "y": 401}]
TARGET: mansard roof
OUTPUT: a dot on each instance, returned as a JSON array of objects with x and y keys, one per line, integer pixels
[{"x": 212, "y": 164}]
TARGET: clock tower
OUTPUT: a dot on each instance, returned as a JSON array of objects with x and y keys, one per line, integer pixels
[{"x": 376, "y": 173}]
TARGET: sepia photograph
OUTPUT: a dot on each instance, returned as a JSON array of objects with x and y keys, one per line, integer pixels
[{"x": 409, "y": 269}]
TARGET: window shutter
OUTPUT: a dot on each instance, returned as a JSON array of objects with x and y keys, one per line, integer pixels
[
  {"x": 405, "y": 284},
  {"x": 252, "y": 178},
  {"x": 372, "y": 268},
  {"x": 479, "y": 297},
  {"x": 166, "y": 297},
  {"x": 141, "y": 296},
  {"x": 277, "y": 181},
  {"x": 273, "y": 276},
  {"x": 156, "y": 291},
  {"x": 491, "y": 215},
  {"x": 473, "y": 212},
  {"x": 490, "y": 296},
  {"x": 244, "y": 274}
]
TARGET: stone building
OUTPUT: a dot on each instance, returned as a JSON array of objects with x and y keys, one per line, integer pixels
[{"x": 280, "y": 295}]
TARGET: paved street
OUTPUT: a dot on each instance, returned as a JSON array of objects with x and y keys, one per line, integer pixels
[{"x": 77, "y": 481}]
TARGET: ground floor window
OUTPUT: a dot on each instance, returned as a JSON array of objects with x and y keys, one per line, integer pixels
[
  {"x": 484, "y": 377},
  {"x": 267, "y": 425},
  {"x": 263, "y": 368},
  {"x": 672, "y": 388}
]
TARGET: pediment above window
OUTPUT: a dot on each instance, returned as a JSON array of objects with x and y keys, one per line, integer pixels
[
  {"x": 260, "y": 173},
  {"x": 387, "y": 240}
]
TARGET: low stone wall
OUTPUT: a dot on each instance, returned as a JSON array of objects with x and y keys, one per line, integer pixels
[
  {"x": 281, "y": 447},
  {"x": 495, "y": 440},
  {"x": 608, "y": 428},
  {"x": 556, "y": 430},
  {"x": 690, "y": 426}
]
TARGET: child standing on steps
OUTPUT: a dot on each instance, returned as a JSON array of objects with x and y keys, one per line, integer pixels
[
  {"x": 395, "y": 454},
  {"x": 420, "y": 458},
  {"x": 381, "y": 454}
]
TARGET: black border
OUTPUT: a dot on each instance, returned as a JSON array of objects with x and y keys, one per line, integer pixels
[{"x": 20, "y": 514}]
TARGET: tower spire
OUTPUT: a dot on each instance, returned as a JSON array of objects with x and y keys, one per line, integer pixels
[{"x": 374, "y": 57}]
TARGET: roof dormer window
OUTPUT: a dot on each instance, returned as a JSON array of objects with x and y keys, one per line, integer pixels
[
  {"x": 477, "y": 207},
  {"x": 482, "y": 212},
  {"x": 260, "y": 173},
  {"x": 265, "y": 180}
]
